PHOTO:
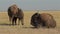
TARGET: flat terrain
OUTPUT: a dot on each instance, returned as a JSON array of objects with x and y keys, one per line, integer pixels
[{"x": 27, "y": 28}]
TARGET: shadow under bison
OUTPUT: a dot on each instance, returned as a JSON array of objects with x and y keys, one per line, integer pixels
[{"x": 43, "y": 20}]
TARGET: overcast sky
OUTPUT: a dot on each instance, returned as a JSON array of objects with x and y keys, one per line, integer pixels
[{"x": 31, "y": 4}]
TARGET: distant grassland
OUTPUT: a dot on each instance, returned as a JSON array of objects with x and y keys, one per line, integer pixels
[{"x": 27, "y": 17}]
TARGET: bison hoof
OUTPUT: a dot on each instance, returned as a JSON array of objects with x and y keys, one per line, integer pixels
[
  {"x": 22, "y": 24},
  {"x": 15, "y": 24}
]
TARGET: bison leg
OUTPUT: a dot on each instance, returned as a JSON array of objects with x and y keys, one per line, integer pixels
[
  {"x": 10, "y": 19},
  {"x": 35, "y": 24},
  {"x": 15, "y": 20},
  {"x": 21, "y": 21}
]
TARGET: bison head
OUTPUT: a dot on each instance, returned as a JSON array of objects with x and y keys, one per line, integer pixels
[{"x": 35, "y": 19}]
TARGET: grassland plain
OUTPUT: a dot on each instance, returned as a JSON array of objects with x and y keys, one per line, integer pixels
[{"x": 27, "y": 28}]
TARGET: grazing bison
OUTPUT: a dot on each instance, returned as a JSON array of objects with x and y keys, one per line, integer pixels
[
  {"x": 15, "y": 13},
  {"x": 44, "y": 20}
]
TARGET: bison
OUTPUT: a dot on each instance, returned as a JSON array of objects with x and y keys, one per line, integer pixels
[
  {"x": 44, "y": 20},
  {"x": 15, "y": 13}
]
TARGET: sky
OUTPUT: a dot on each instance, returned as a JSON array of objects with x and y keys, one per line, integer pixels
[{"x": 31, "y": 4}]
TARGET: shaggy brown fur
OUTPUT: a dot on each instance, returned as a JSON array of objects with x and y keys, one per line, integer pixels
[
  {"x": 48, "y": 20},
  {"x": 44, "y": 20},
  {"x": 14, "y": 12}
]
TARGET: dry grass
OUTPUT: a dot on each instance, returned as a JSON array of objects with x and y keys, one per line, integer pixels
[{"x": 26, "y": 29}]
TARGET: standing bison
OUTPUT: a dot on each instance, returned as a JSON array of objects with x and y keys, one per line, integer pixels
[
  {"x": 44, "y": 20},
  {"x": 15, "y": 13}
]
